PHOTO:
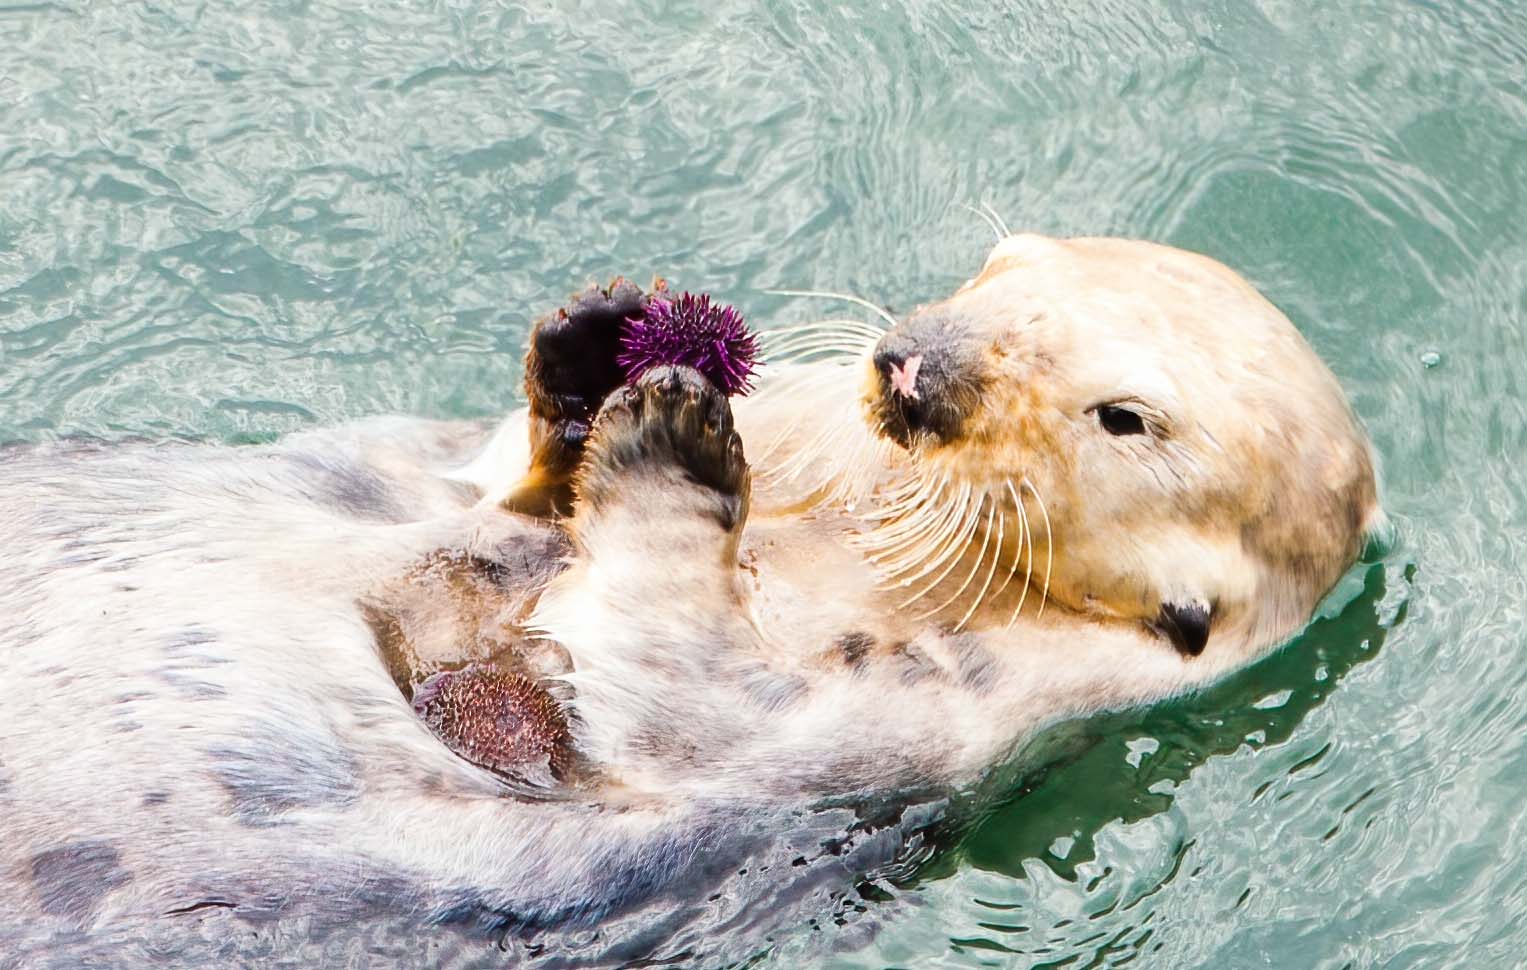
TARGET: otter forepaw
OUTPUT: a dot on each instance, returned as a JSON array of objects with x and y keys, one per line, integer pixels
[
  {"x": 672, "y": 420},
  {"x": 570, "y": 368}
]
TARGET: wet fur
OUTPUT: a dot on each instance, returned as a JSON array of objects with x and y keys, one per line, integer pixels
[
  {"x": 208, "y": 648},
  {"x": 198, "y": 713}
]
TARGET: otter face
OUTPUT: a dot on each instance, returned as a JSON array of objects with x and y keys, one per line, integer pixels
[{"x": 1197, "y": 465}]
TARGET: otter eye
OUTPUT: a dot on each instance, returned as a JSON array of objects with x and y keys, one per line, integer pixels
[{"x": 1120, "y": 421}]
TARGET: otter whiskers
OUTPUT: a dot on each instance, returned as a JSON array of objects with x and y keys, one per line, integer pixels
[
  {"x": 1025, "y": 543},
  {"x": 823, "y": 337},
  {"x": 840, "y": 462},
  {"x": 931, "y": 545},
  {"x": 991, "y": 218},
  {"x": 991, "y": 514},
  {"x": 847, "y": 297},
  {"x": 923, "y": 522},
  {"x": 996, "y": 559},
  {"x": 940, "y": 541},
  {"x": 957, "y": 543},
  {"x": 928, "y": 527},
  {"x": 1001, "y": 223},
  {"x": 1049, "y": 542}
]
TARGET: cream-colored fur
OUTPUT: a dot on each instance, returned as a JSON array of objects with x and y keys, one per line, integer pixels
[{"x": 196, "y": 707}]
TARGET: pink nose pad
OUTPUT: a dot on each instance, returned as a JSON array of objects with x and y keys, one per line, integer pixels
[{"x": 904, "y": 377}]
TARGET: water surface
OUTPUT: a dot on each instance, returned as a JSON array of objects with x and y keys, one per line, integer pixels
[{"x": 235, "y": 220}]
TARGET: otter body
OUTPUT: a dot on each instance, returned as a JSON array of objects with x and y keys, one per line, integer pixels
[{"x": 214, "y": 654}]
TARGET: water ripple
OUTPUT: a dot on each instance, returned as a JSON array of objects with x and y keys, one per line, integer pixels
[{"x": 233, "y": 221}]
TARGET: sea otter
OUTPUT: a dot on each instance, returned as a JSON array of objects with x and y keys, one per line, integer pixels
[{"x": 743, "y": 652}]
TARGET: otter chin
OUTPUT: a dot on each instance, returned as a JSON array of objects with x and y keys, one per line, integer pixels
[{"x": 698, "y": 649}]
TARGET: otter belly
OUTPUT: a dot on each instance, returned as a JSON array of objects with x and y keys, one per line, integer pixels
[
  {"x": 202, "y": 721},
  {"x": 192, "y": 681}
]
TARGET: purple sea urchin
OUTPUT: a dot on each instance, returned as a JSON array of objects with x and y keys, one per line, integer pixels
[
  {"x": 501, "y": 721},
  {"x": 691, "y": 331}
]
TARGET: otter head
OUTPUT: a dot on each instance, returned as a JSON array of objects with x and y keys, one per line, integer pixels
[{"x": 1184, "y": 460}]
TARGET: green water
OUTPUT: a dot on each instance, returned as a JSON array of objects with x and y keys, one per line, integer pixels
[{"x": 234, "y": 220}]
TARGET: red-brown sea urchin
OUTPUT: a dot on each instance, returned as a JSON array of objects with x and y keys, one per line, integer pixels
[
  {"x": 497, "y": 720},
  {"x": 691, "y": 331}
]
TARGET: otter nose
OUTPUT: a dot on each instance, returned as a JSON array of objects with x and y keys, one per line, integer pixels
[
  {"x": 929, "y": 377},
  {"x": 899, "y": 361},
  {"x": 902, "y": 375}
]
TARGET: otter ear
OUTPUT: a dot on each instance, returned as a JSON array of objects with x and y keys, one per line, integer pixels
[{"x": 1186, "y": 625}]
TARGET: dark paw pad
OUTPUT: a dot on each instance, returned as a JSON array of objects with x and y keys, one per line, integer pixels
[
  {"x": 570, "y": 368},
  {"x": 674, "y": 416},
  {"x": 571, "y": 365}
]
